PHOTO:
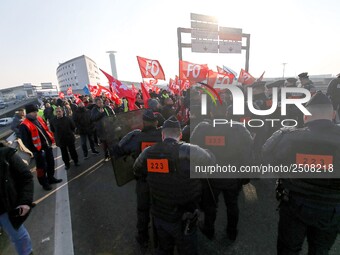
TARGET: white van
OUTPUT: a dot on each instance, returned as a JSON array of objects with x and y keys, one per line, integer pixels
[{"x": 5, "y": 121}]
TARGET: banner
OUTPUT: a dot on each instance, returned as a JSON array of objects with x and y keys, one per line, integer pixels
[
  {"x": 217, "y": 78},
  {"x": 246, "y": 78},
  {"x": 98, "y": 90},
  {"x": 118, "y": 88},
  {"x": 150, "y": 68},
  {"x": 192, "y": 72},
  {"x": 230, "y": 71}
]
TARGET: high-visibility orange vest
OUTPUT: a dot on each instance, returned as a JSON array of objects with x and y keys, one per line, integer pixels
[{"x": 35, "y": 133}]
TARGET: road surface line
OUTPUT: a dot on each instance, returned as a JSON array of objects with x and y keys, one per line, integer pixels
[
  {"x": 63, "y": 238},
  {"x": 74, "y": 178}
]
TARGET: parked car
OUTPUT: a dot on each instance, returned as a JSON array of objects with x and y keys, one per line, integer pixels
[
  {"x": 5, "y": 121},
  {"x": 3, "y": 105}
]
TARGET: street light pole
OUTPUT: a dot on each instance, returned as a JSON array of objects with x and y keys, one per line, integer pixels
[{"x": 283, "y": 73}]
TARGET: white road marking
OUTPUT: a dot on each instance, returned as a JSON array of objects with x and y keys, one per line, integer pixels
[{"x": 63, "y": 238}]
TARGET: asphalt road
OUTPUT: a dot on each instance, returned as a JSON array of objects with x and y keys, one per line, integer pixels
[{"x": 88, "y": 214}]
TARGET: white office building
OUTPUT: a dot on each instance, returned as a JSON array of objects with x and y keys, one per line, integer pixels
[{"x": 77, "y": 73}]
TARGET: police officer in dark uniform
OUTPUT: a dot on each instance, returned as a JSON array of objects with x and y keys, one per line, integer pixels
[
  {"x": 260, "y": 101},
  {"x": 292, "y": 111},
  {"x": 333, "y": 91},
  {"x": 231, "y": 144},
  {"x": 156, "y": 107},
  {"x": 133, "y": 144},
  {"x": 277, "y": 113},
  {"x": 174, "y": 196},
  {"x": 306, "y": 83},
  {"x": 193, "y": 103},
  {"x": 309, "y": 207}
]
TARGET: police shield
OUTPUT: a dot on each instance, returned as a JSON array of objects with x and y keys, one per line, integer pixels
[{"x": 115, "y": 128}]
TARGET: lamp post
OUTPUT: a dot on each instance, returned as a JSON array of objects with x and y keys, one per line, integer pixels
[{"x": 284, "y": 67}]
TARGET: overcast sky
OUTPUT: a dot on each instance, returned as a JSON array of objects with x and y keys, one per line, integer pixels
[{"x": 37, "y": 35}]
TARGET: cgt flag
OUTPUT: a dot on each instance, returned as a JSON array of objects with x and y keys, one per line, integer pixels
[
  {"x": 150, "y": 68},
  {"x": 61, "y": 95}
]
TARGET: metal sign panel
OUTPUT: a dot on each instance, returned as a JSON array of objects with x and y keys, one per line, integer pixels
[
  {"x": 204, "y": 34},
  {"x": 46, "y": 85},
  {"x": 204, "y": 46},
  {"x": 228, "y": 33},
  {"x": 205, "y": 18},
  {"x": 230, "y": 47},
  {"x": 204, "y": 26}
]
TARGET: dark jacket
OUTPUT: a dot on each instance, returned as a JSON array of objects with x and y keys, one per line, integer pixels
[
  {"x": 173, "y": 192},
  {"x": 15, "y": 124},
  {"x": 318, "y": 140},
  {"x": 48, "y": 113},
  {"x": 16, "y": 184},
  {"x": 63, "y": 129},
  {"x": 231, "y": 145},
  {"x": 82, "y": 120},
  {"x": 333, "y": 90},
  {"x": 132, "y": 143},
  {"x": 98, "y": 117}
]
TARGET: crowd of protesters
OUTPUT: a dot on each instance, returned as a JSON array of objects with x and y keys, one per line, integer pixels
[{"x": 85, "y": 116}]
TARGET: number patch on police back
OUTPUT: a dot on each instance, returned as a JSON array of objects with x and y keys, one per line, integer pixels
[
  {"x": 146, "y": 145},
  {"x": 312, "y": 159},
  {"x": 158, "y": 165},
  {"x": 215, "y": 140}
]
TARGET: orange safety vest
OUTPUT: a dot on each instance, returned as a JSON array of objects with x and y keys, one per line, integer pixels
[{"x": 35, "y": 133}]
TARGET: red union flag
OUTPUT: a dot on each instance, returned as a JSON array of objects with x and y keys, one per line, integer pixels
[
  {"x": 69, "y": 91},
  {"x": 102, "y": 90},
  {"x": 150, "y": 68},
  {"x": 246, "y": 78},
  {"x": 173, "y": 87},
  {"x": 94, "y": 90},
  {"x": 216, "y": 78},
  {"x": 98, "y": 90},
  {"x": 146, "y": 95},
  {"x": 192, "y": 72},
  {"x": 77, "y": 98},
  {"x": 117, "y": 88},
  {"x": 220, "y": 70},
  {"x": 185, "y": 84},
  {"x": 152, "y": 85}
]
